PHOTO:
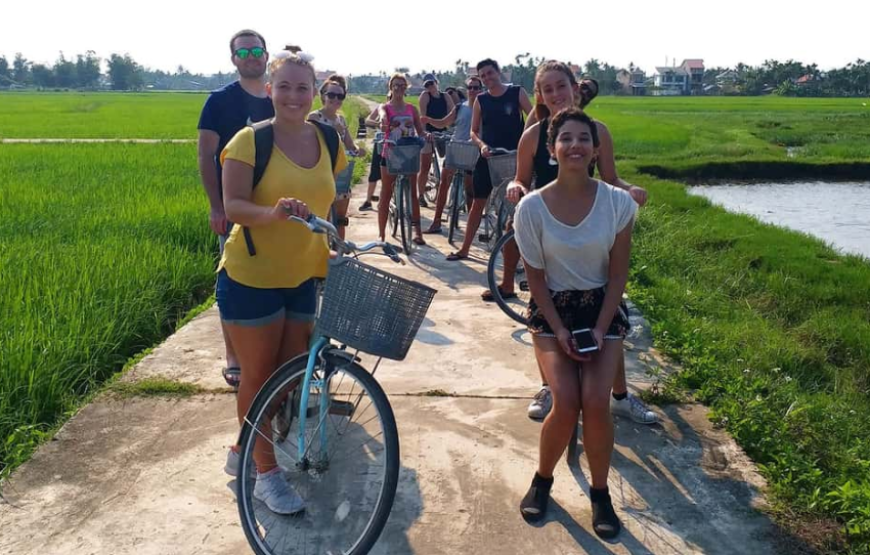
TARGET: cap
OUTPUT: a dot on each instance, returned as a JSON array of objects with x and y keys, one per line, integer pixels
[{"x": 429, "y": 77}]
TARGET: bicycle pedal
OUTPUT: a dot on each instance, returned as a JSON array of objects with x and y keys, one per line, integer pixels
[
  {"x": 524, "y": 286},
  {"x": 483, "y": 238}
]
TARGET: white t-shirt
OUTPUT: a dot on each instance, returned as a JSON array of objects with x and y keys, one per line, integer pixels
[{"x": 574, "y": 258}]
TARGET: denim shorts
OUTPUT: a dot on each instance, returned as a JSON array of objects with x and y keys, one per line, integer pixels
[{"x": 251, "y": 306}]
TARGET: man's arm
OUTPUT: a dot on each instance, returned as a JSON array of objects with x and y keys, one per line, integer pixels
[{"x": 207, "y": 146}]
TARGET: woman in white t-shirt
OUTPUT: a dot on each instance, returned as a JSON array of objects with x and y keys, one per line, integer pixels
[{"x": 575, "y": 238}]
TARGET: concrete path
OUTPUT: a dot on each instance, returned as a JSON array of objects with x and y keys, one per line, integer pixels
[{"x": 145, "y": 476}]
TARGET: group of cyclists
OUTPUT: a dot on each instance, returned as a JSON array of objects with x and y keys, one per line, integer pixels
[{"x": 573, "y": 233}]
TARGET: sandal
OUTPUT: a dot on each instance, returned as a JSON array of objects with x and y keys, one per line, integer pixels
[
  {"x": 488, "y": 297},
  {"x": 233, "y": 376},
  {"x": 453, "y": 256},
  {"x": 433, "y": 231},
  {"x": 419, "y": 240}
]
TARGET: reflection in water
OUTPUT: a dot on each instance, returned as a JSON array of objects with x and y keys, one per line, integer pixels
[{"x": 838, "y": 213}]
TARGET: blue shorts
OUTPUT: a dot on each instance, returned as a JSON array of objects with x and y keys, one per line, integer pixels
[{"x": 251, "y": 306}]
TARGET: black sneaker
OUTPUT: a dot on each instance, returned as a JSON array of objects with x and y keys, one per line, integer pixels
[
  {"x": 365, "y": 206},
  {"x": 604, "y": 519},
  {"x": 534, "y": 505}
]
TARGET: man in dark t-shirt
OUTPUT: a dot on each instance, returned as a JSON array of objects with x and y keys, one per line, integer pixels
[{"x": 226, "y": 111}]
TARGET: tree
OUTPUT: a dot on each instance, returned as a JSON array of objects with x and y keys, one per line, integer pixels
[
  {"x": 43, "y": 76},
  {"x": 124, "y": 73},
  {"x": 21, "y": 69},
  {"x": 88, "y": 70},
  {"x": 64, "y": 73},
  {"x": 4, "y": 69}
]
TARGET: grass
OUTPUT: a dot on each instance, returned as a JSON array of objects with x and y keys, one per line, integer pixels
[
  {"x": 154, "y": 387},
  {"x": 102, "y": 249},
  {"x": 113, "y": 115}
]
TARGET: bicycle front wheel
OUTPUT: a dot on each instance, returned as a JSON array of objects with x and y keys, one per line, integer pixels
[
  {"x": 406, "y": 216},
  {"x": 456, "y": 201},
  {"x": 515, "y": 307},
  {"x": 433, "y": 180},
  {"x": 346, "y": 472}
]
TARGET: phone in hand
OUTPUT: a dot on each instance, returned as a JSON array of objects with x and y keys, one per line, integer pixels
[{"x": 585, "y": 341}]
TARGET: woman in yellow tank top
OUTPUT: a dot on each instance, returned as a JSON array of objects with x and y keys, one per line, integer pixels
[{"x": 267, "y": 298}]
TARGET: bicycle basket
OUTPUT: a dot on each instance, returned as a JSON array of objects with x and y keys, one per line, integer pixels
[
  {"x": 502, "y": 167},
  {"x": 462, "y": 156},
  {"x": 371, "y": 310},
  {"x": 403, "y": 159},
  {"x": 344, "y": 179}
]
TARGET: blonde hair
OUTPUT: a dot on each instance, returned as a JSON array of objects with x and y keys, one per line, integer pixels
[{"x": 285, "y": 57}]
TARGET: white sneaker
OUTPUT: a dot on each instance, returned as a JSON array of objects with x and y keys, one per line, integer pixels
[
  {"x": 541, "y": 405},
  {"x": 632, "y": 407},
  {"x": 273, "y": 489},
  {"x": 232, "y": 465}
]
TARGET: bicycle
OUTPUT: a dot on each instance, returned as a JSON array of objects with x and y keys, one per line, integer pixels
[
  {"x": 402, "y": 160},
  {"x": 502, "y": 169},
  {"x": 345, "y": 459},
  {"x": 461, "y": 157},
  {"x": 439, "y": 142}
]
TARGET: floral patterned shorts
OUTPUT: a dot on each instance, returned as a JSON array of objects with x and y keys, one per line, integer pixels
[{"x": 578, "y": 310}]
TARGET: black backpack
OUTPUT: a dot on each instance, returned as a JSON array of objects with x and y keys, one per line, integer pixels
[{"x": 264, "y": 139}]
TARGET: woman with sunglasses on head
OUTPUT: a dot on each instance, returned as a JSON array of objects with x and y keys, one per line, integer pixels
[
  {"x": 575, "y": 238},
  {"x": 266, "y": 286},
  {"x": 460, "y": 116},
  {"x": 556, "y": 89},
  {"x": 399, "y": 120},
  {"x": 332, "y": 95}
]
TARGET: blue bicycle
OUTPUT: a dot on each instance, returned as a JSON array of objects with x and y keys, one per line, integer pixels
[{"x": 326, "y": 418}]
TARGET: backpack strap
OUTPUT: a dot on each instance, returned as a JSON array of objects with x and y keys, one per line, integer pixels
[
  {"x": 332, "y": 140},
  {"x": 264, "y": 138}
]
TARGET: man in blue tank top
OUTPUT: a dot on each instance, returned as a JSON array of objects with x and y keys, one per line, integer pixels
[
  {"x": 226, "y": 111},
  {"x": 497, "y": 122}
]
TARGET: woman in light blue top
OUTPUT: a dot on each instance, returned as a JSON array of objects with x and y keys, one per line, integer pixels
[{"x": 461, "y": 117}]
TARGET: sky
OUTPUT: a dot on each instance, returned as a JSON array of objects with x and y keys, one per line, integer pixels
[{"x": 356, "y": 37}]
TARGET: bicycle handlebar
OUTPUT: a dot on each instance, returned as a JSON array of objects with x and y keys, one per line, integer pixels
[{"x": 319, "y": 225}]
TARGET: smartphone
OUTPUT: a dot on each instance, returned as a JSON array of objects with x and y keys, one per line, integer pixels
[{"x": 585, "y": 341}]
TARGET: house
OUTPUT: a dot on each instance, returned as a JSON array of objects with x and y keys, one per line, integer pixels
[
  {"x": 684, "y": 79},
  {"x": 727, "y": 78},
  {"x": 632, "y": 81}
]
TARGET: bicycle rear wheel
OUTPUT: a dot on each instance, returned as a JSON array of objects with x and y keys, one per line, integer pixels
[
  {"x": 514, "y": 307},
  {"x": 406, "y": 215},
  {"x": 348, "y": 474}
]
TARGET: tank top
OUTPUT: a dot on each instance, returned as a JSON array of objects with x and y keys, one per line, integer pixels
[
  {"x": 436, "y": 109},
  {"x": 401, "y": 124},
  {"x": 544, "y": 171},
  {"x": 501, "y": 118}
]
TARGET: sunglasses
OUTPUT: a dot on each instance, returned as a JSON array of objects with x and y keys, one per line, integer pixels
[
  {"x": 256, "y": 52},
  {"x": 333, "y": 96},
  {"x": 474, "y": 88}
]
